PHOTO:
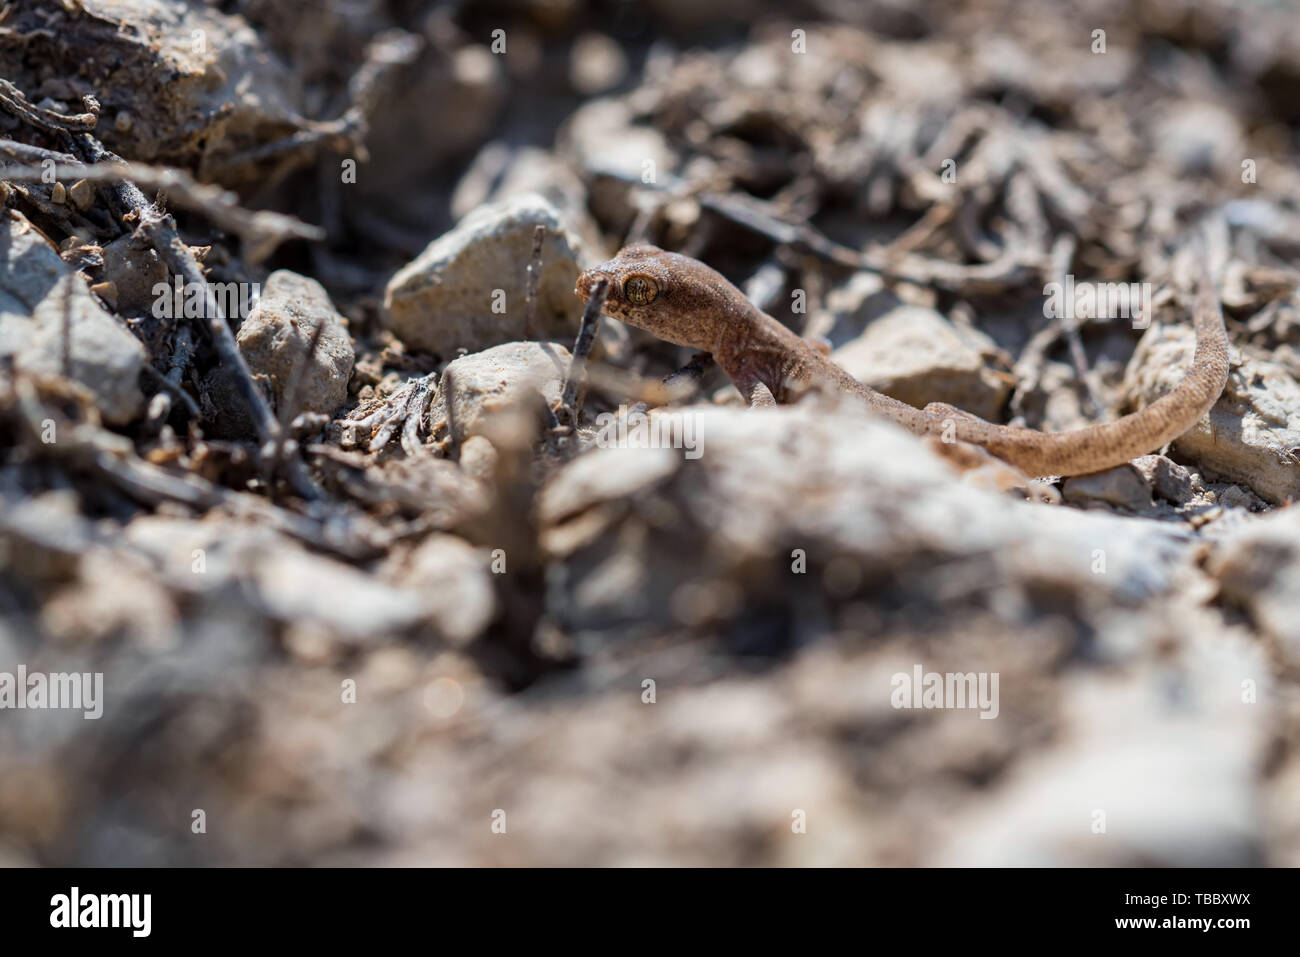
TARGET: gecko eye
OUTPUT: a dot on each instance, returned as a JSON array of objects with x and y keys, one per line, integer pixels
[{"x": 640, "y": 290}]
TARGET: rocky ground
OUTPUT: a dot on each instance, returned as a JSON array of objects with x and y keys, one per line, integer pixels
[{"x": 367, "y": 585}]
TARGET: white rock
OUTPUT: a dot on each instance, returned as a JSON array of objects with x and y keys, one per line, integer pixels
[
  {"x": 1251, "y": 433},
  {"x": 597, "y": 63},
  {"x": 1152, "y": 768},
  {"x": 500, "y": 172},
  {"x": 445, "y": 298},
  {"x": 917, "y": 356},
  {"x": 1257, "y": 565},
  {"x": 834, "y": 483},
  {"x": 293, "y": 585},
  {"x": 189, "y": 77},
  {"x": 455, "y": 580},
  {"x": 602, "y": 140},
  {"x": 488, "y": 383},
  {"x": 275, "y": 336},
  {"x": 600, "y": 137},
  {"x": 35, "y": 288},
  {"x": 1192, "y": 138}
]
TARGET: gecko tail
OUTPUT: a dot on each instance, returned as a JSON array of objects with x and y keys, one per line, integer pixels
[{"x": 1099, "y": 447}]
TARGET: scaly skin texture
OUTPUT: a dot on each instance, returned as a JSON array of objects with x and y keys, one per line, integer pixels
[{"x": 683, "y": 301}]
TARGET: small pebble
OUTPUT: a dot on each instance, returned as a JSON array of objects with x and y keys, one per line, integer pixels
[{"x": 83, "y": 194}]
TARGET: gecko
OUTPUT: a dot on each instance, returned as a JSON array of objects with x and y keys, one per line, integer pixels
[{"x": 683, "y": 301}]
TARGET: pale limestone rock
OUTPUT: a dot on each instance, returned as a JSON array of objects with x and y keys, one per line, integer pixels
[
  {"x": 36, "y": 289},
  {"x": 275, "y": 337},
  {"x": 917, "y": 356},
  {"x": 1257, "y": 565},
  {"x": 445, "y": 298},
  {"x": 457, "y": 585},
  {"x": 495, "y": 381},
  {"x": 1153, "y": 768},
  {"x": 1250, "y": 435}
]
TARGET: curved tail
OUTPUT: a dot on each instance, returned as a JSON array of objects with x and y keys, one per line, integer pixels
[
  {"x": 1098, "y": 447},
  {"x": 1095, "y": 447}
]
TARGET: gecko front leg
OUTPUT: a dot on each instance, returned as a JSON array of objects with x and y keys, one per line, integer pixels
[
  {"x": 756, "y": 394},
  {"x": 752, "y": 379}
]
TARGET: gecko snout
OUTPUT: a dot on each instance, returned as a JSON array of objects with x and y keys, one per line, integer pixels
[{"x": 587, "y": 282}]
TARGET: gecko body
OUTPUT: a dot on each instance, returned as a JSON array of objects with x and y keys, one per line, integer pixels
[{"x": 683, "y": 301}]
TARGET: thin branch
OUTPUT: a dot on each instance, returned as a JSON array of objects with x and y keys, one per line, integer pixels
[
  {"x": 534, "y": 278},
  {"x": 160, "y": 229},
  {"x": 762, "y": 217},
  {"x": 262, "y": 230},
  {"x": 289, "y": 400},
  {"x": 1062, "y": 254},
  {"x": 24, "y": 153},
  {"x": 404, "y": 408},
  {"x": 448, "y": 388},
  {"x": 87, "y": 447},
  {"x": 182, "y": 353},
  {"x": 65, "y": 330},
  {"x": 14, "y": 101},
  {"x": 581, "y": 349},
  {"x": 174, "y": 389}
]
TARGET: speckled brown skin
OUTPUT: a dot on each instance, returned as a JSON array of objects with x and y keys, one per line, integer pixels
[{"x": 694, "y": 306}]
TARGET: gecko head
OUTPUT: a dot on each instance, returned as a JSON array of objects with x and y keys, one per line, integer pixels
[{"x": 658, "y": 291}]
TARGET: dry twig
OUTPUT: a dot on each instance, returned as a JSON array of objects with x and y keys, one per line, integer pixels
[
  {"x": 569, "y": 402},
  {"x": 261, "y": 230}
]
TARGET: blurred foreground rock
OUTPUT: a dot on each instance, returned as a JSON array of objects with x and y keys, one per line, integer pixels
[{"x": 1258, "y": 568}]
